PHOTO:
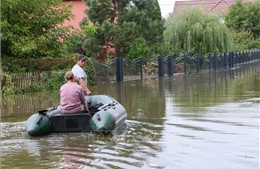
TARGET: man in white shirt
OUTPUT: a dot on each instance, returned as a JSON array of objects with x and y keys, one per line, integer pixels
[{"x": 79, "y": 72}]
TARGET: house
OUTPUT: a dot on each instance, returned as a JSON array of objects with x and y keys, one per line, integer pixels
[
  {"x": 209, "y": 6},
  {"x": 78, "y": 10}
]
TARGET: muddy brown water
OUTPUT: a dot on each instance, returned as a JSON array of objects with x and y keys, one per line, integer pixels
[{"x": 195, "y": 121}]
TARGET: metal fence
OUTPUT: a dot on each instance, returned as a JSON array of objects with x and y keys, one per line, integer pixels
[
  {"x": 161, "y": 65},
  {"x": 120, "y": 69}
]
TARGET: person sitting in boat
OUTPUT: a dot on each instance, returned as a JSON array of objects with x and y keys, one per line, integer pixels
[{"x": 72, "y": 98}]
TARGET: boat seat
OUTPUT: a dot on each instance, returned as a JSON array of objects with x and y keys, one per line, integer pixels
[{"x": 76, "y": 122}]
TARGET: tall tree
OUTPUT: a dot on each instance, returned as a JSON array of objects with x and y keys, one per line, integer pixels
[
  {"x": 195, "y": 31},
  {"x": 121, "y": 23},
  {"x": 244, "y": 16},
  {"x": 31, "y": 29},
  {"x": 243, "y": 20}
]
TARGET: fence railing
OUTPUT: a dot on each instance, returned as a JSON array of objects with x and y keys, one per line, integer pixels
[
  {"x": 196, "y": 63},
  {"x": 159, "y": 65},
  {"x": 24, "y": 80}
]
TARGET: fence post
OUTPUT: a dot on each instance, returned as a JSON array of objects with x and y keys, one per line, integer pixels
[
  {"x": 196, "y": 59},
  {"x": 231, "y": 59},
  {"x": 237, "y": 58},
  {"x": 210, "y": 61},
  {"x": 198, "y": 63},
  {"x": 185, "y": 60},
  {"x": 141, "y": 68},
  {"x": 218, "y": 57},
  {"x": 215, "y": 60},
  {"x": 170, "y": 65},
  {"x": 3, "y": 82},
  {"x": 222, "y": 60},
  {"x": 119, "y": 69},
  {"x": 253, "y": 55},
  {"x": 225, "y": 60},
  {"x": 247, "y": 56},
  {"x": 242, "y": 55},
  {"x": 160, "y": 66},
  {"x": 257, "y": 54}
]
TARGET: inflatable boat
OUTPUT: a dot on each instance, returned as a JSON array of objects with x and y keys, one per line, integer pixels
[{"x": 105, "y": 115}]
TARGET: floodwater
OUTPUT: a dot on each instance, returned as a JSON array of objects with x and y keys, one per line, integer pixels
[{"x": 198, "y": 121}]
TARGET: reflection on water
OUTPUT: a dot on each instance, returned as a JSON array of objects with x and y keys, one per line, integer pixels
[
  {"x": 19, "y": 107},
  {"x": 209, "y": 120}
]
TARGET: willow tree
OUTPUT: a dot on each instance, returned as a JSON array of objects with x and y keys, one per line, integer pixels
[{"x": 195, "y": 31}]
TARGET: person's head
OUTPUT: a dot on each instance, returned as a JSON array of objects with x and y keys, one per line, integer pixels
[
  {"x": 76, "y": 80},
  {"x": 69, "y": 76},
  {"x": 81, "y": 60}
]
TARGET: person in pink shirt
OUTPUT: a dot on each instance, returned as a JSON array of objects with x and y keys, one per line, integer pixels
[{"x": 72, "y": 98}]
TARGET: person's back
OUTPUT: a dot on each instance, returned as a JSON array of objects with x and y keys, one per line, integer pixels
[
  {"x": 71, "y": 95},
  {"x": 72, "y": 98}
]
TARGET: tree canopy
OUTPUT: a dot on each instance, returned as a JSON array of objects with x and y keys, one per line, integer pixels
[
  {"x": 121, "y": 23},
  {"x": 244, "y": 40},
  {"x": 197, "y": 32},
  {"x": 32, "y": 29},
  {"x": 244, "y": 16},
  {"x": 243, "y": 20}
]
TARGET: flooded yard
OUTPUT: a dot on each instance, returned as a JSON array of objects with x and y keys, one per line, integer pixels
[{"x": 193, "y": 121}]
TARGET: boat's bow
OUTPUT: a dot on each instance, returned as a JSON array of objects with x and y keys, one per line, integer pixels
[
  {"x": 109, "y": 116},
  {"x": 38, "y": 124}
]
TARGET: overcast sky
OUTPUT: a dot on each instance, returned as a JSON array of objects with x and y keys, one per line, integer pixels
[{"x": 166, "y": 7}]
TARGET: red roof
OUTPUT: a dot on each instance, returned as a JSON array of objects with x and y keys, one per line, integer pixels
[{"x": 209, "y": 6}]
